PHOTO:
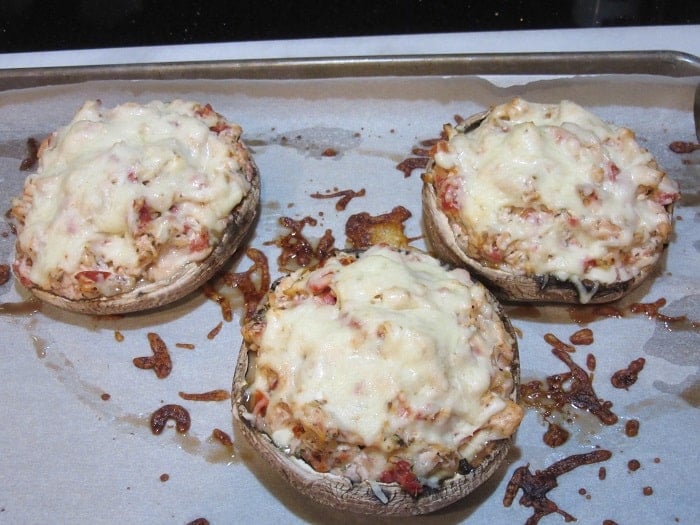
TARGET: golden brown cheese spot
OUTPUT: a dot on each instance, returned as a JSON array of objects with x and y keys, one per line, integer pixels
[{"x": 364, "y": 230}]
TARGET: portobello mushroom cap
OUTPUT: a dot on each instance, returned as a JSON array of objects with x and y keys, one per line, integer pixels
[
  {"x": 186, "y": 280},
  {"x": 369, "y": 497},
  {"x": 101, "y": 172},
  {"x": 448, "y": 239}
]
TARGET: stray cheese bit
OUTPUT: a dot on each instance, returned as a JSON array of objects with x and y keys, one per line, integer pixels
[{"x": 364, "y": 230}]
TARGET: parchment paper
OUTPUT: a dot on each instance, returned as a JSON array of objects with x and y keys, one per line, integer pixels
[{"x": 68, "y": 456}]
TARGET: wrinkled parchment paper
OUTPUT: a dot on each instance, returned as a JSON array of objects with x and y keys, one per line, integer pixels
[{"x": 68, "y": 455}]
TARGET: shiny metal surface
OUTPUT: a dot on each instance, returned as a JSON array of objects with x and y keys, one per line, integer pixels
[
  {"x": 696, "y": 112},
  {"x": 664, "y": 63}
]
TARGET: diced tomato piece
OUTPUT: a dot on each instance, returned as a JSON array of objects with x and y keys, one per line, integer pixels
[
  {"x": 495, "y": 254},
  {"x": 22, "y": 278},
  {"x": 260, "y": 402},
  {"x": 588, "y": 264},
  {"x": 325, "y": 295},
  {"x": 402, "y": 474},
  {"x": 328, "y": 297},
  {"x": 219, "y": 127},
  {"x": 200, "y": 242},
  {"x": 205, "y": 110},
  {"x": 93, "y": 275},
  {"x": 665, "y": 198},
  {"x": 319, "y": 286},
  {"x": 144, "y": 212},
  {"x": 449, "y": 196}
]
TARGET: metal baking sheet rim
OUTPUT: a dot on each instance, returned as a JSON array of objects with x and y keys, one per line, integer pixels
[
  {"x": 661, "y": 63},
  {"x": 668, "y": 64}
]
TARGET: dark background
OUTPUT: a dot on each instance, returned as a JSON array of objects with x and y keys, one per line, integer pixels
[{"x": 36, "y": 25}]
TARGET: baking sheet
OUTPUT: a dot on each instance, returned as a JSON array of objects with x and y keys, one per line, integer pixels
[{"x": 68, "y": 455}]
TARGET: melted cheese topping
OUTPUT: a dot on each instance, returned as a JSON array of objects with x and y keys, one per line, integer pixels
[
  {"x": 383, "y": 356},
  {"x": 128, "y": 194},
  {"x": 544, "y": 189}
]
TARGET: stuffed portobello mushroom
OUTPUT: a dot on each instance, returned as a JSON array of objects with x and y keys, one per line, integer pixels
[
  {"x": 380, "y": 382},
  {"x": 547, "y": 202},
  {"x": 133, "y": 207}
]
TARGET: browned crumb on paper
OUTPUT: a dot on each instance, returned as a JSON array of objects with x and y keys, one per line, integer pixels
[
  {"x": 344, "y": 196},
  {"x": 222, "y": 437},
  {"x": 215, "y": 331},
  {"x": 651, "y": 310},
  {"x": 583, "y": 314},
  {"x": 224, "y": 303},
  {"x": 4, "y": 273},
  {"x": 536, "y": 486},
  {"x": 164, "y": 477},
  {"x": 30, "y": 160},
  {"x": 626, "y": 377},
  {"x": 185, "y": 346},
  {"x": 297, "y": 250},
  {"x": 212, "y": 395},
  {"x": 574, "y": 387},
  {"x": 421, "y": 153},
  {"x": 558, "y": 343},
  {"x": 252, "y": 283},
  {"x": 682, "y": 147},
  {"x": 584, "y": 336},
  {"x": 177, "y": 413},
  {"x": 555, "y": 436},
  {"x": 199, "y": 521},
  {"x": 364, "y": 230},
  {"x": 632, "y": 428},
  {"x": 118, "y": 336},
  {"x": 590, "y": 362},
  {"x": 160, "y": 361},
  {"x": 407, "y": 166}
]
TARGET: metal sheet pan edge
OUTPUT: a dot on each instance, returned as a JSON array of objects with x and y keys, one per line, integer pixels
[{"x": 661, "y": 62}]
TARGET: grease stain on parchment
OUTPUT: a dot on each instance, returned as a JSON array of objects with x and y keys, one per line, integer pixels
[
  {"x": 314, "y": 142},
  {"x": 680, "y": 347},
  {"x": 91, "y": 395}
]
